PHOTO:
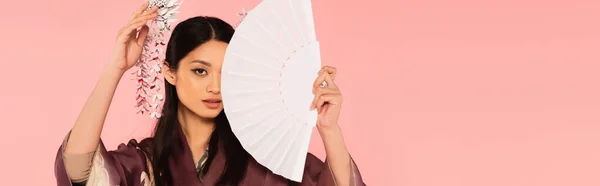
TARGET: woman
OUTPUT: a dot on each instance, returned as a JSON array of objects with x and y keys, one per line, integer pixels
[{"x": 193, "y": 126}]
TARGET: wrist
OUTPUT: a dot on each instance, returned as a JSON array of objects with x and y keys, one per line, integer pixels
[
  {"x": 112, "y": 68},
  {"x": 331, "y": 130}
]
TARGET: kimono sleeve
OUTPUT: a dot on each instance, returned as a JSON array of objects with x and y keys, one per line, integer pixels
[
  {"x": 125, "y": 166},
  {"x": 317, "y": 172}
]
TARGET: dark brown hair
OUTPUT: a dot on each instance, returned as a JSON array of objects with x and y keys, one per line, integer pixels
[{"x": 187, "y": 36}]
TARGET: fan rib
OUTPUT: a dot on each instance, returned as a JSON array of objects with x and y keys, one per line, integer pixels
[
  {"x": 285, "y": 28},
  {"x": 310, "y": 21},
  {"x": 259, "y": 46},
  {"x": 303, "y": 147},
  {"x": 279, "y": 138},
  {"x": 258, "y": 122},
  {"x": 253, "y": 76},
  {"x": 255, "y": 105},
  {"x": 257, "y": 62},
  {"x": 272, "y": 148},
  {"x": 287, "y": 146},
  {"x": 269, "y": 129},
  {"x": 252, "y": 91},
  {"x": 297, "y": 22},
  {"x": 271, "y": 35}
]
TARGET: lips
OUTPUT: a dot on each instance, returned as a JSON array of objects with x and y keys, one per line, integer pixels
[
  {"x": 212, "y": 103},
  {"x": 212, "y": 100}
]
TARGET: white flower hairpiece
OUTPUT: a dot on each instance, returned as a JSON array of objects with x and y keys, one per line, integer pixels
[{"x": 148, "y": 74}]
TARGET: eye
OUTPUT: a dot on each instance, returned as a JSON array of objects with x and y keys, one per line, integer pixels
[{"x": 200, "y": 71}]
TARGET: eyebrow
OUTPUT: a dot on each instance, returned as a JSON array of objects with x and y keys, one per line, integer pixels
[{"x": 202, "y": 62}]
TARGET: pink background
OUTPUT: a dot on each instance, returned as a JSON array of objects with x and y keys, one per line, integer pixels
[{"x": 437, "y": 93}]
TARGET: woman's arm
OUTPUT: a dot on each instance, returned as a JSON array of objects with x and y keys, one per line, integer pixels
[
  {"x": 84, "y": 137},
  {"x": 88, "y": 126},
  {"x": 328, "y": 102},
  {"x": 337, "y": 155}
]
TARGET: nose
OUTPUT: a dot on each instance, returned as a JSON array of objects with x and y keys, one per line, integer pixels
[{"x": 215, "y": 85}]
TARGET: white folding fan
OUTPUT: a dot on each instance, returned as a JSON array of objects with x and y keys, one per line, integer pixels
[{"x": 266, "y": 81}]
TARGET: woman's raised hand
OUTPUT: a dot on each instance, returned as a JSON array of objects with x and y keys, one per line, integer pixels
[{"x": 131, "y": 37}]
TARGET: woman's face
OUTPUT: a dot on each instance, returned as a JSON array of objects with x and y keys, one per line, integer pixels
[{"x": 198, "y": 79}]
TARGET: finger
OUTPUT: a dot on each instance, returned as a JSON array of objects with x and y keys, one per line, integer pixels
[
  {"x": 141, "y": 20},
  {"x": 140, "y": 9},
  {"x": 320, "y": 91},
  {"x": 326, "y": 98},
  {"x": 323, "y": 77},
  {"x": 130, "y": 30},
  {"x": 332, "y": 71},
  {"x": 143, "y": 34},
  {"x": 329, "y": 81},
  {"x": 323, "y": 108},
  {"x": 313, "y": 104},
  {"x": 320, "y": 101},
  {"x": 144, "y": 18},
  {"x": 148, "y": 15},
  {"x": 154, "y": 9},
  {"x": 318, "y": 82},
  {"x": 132, "y": 27},
  {"x": 327, "y": 90}
]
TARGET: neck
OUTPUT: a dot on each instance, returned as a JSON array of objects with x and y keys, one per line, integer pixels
[{"x": 197, "y": 130}]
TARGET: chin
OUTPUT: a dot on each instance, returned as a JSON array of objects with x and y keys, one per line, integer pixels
[{"x": 208, "y": 113}]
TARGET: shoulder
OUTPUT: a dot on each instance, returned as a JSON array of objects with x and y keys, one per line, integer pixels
[
  {"x": 136, "y": 156},
  {"x": 146, "y": 145},
  {"x": 133, "y": 146}
]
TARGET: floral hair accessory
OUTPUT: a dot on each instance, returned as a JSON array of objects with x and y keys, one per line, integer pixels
[{"x": 148, "y": 73}]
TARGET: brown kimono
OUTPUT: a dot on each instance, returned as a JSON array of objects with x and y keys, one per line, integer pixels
[{"x": 128, "y": 166}]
